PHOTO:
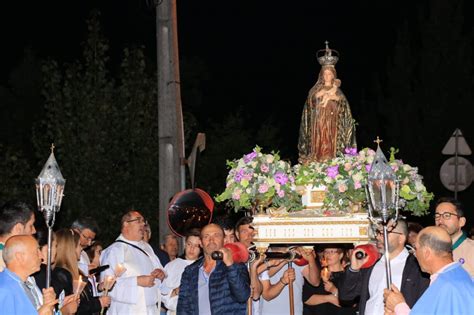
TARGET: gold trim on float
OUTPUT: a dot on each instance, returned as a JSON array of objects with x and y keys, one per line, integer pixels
[
  {"x": 256, "y": 224},
  {"x": 311, "y": 240}
]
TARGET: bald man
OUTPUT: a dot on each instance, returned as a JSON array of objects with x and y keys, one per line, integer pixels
[
  {"x": 16, "y": 218},
  {"x": 22, "y": 258},
  {"x": 451, "y": 290}
]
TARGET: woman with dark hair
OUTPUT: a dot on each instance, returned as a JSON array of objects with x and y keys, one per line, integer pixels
[{"x": 323, "y": 299}]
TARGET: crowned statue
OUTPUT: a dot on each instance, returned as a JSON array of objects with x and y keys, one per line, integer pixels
[{"x": 327, "y": 127}]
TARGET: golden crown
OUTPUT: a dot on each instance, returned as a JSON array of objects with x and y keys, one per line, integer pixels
[{"x": 327, "y": 56}]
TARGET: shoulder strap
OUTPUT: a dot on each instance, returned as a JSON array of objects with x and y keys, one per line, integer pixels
[{"x": 135, "y": 246}]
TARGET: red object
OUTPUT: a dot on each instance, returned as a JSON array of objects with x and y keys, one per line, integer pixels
[
  {"x": 371, "y": 252},
  {"x": 300, "y": 261},
  {"x": 240, "y": 253}
]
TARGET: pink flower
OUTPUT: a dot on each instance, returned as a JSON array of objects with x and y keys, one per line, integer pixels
[
  {"x": 347, "y": 166},
  {"x": 263, "y": 188},
  {"x": 264, "y": 168},
  {"x": 236, "y": 195},
  {"x": 342, "y": 188},
  {"x": 281, "y": 194},
  {"x": 357, "y": 185}
]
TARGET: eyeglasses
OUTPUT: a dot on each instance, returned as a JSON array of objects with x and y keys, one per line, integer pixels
[
  {"x": 139, "y": 220},
  {"x": 380, "y": 232},
  {"x": 89, "y": 239},
  {"x": 445, "y": 215}
]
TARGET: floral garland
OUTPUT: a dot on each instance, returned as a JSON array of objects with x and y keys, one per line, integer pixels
[
  {"x": 259, "y": 178},
  {"x": 345, "y": 177},
  {"x": 263, "y": 178}
]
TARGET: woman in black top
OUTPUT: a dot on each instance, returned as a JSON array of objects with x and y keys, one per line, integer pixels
[{"x": 323, "y": 299}]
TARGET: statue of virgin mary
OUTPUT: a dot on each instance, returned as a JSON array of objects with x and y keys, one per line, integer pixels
[{"x": 327, "y": 127}]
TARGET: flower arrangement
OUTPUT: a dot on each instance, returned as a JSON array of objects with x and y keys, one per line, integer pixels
[
  {"x": 345, "y": 177},
  {"x": 260, "y": 178}
]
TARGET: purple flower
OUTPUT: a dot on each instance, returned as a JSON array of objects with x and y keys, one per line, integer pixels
[
  {"x": 238, "y": 177},
  {"x": 281, "y": 178},
  {"x": 368, "y": 167},
  {"x": 249, "y": 157},
  {"x": 350, "y": 151},
  {"x": 333, "y": 171}
]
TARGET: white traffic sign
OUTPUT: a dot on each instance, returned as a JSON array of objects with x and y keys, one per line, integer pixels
[
  {"x": 462, "y": 146},
  {"x": 464, "y": 174}
]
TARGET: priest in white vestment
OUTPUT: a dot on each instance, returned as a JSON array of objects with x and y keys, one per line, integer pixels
[{"x": 138, "y": 289}]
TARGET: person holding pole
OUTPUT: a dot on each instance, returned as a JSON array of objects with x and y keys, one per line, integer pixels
[
  {"x": 451, "y": 289},
  {"x": 283, "y": 283},
  {"x": 368, "y": 284}
]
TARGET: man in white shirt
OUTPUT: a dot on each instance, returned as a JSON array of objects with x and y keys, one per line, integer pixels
[
  {"x": 175, "y": 268},
  {"x": 368, "y": 284},
  {"x": 138, "y": 290}
]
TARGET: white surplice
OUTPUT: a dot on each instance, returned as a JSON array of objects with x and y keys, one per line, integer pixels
[
  {"x": 174, "y": 270},
  {"x": 127, "y": 296}
]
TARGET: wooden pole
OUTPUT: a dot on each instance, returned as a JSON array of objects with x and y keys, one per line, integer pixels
[{"x": 290, "y": 292}]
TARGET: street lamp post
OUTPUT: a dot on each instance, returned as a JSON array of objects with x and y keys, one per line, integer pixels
[
  {"x": 382, "y": 192},
  {"x": 49, "y": 194}
]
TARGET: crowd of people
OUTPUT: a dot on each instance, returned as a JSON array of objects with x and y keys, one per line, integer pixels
[{"x": 432, "y": 270}]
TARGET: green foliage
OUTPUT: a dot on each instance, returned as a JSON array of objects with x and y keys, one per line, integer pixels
[
  {"x": 105, "y": 132},
  {"x": 16, "y": 176}
]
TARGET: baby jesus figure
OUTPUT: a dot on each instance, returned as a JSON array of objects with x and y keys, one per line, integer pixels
[{"x": 331, "y": 93}]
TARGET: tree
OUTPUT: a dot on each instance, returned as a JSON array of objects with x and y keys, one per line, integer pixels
[{"x": 105, "y": 131}]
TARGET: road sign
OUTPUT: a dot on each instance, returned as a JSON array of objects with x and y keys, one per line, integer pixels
[
  {"x": 464, "y": 174},
  {"x": 462, "y": 146}
]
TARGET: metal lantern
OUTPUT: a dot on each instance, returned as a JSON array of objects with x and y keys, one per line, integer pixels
[
  {"x": 382, "y": 192},
  {"x": 49, "y": 194}
]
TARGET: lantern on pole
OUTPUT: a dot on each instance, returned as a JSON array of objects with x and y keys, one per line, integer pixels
[
  {"x": 382, "y": 192},
  {"x": 49, "y": 194}
]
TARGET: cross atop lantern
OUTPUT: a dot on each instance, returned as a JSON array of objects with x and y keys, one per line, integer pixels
[
  {"x": 49, "y": 194},
  {"x": 382, "y": 189}
]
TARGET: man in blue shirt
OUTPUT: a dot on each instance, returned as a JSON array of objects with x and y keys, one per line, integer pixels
[
  {"x": 214, "y": 287},
  {"x": 17, "y": 296},
  {"x": 451, "y": 290}
]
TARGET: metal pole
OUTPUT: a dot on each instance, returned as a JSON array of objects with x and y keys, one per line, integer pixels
[
  {"x": 456, "y": 139},
  {"x": 48, "y": 263},
  {"x": 249, "y": 302},
  {"x": 290, "y": 292},
  {"x": 387, "y": 257}
]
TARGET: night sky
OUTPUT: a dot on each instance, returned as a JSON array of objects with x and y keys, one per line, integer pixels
[{"x": 259, "y": 56}]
